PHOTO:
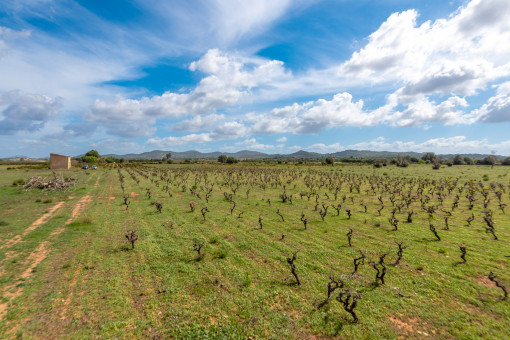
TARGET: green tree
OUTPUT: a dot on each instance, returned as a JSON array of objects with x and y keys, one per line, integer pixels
[
  {"x": 330, "y": 160},
  {"x": 458, "y": 160},
  {"x": 90, "y": 159},
  {"x": 469, "y": 160},
  {"x": 429, "y": 157},
  {"x": 168, "y": 156},
  {"x": 93, "y": 153},
  {"x": 231, "y": 160},
  {"x": 222, "y": 158},
  {"x": 490, "y": 160}
]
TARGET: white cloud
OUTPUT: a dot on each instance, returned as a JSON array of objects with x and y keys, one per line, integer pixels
[
  {"x": 282, "y": 140},
  {"x": 497, "y": 109},
  {"x": 230, "y": 78},
  {"x": 323, "y": 148},
  {"x": 444, "y": 145},
  {"x": 445, "y": 56},
  {"x": 252, "y": 144},
  {"x": 198, "y": 123},
  {"x": 313, "y": 117},
  {"x": 26, "y": 111},
  {"x": 168, "y": 142},
  {"x": 116, "y": 146},
  {"x": 9, "y": 34},
  {"x": 421, "y": 111},
  {"x": 217, "y": 23},
  {"x": 294, "y": 148},
  {"x": 224, "y": 131}
]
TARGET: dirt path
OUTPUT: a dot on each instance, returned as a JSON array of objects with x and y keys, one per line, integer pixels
[
  {"x": 39, "y": 222},
  {"x": 14, "y": 290}
]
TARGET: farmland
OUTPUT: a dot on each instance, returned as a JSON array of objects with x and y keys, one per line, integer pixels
[{"x": 213, "y": 247}]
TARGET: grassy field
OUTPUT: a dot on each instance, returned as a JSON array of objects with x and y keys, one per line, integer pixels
[{"x": 68, "y": 271}]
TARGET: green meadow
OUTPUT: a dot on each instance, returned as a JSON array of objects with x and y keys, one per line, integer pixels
[{"x": 67, "y": 269}]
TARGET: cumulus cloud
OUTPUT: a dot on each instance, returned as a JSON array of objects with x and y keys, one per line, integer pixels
[
  {"x": 420, "y": 110},
  {"x": 326, "y": 148},
  {"x": 198, "y": 123},
  {"x": 497, "y": 109},
  {"x": 229, "y": 78},
  {"x": 341, "y": 110},
  {"x": 445, "y": 56},
  {"x": 223, "y": 131},
  {"x": 444, "y": 145},
  {"x": 313, "y": 117},
  {"x": 26, "y": 111},
  {"x": 253, "y": 144},
  {"x": 171, "y": 141}
]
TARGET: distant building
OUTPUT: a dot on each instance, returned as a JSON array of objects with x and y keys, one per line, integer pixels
[{"x": 59, "y": 162}]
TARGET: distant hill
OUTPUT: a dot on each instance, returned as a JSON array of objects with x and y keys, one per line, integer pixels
[
  {"x": 247, "y": 154},
  {"x": 192, "y": 154}
]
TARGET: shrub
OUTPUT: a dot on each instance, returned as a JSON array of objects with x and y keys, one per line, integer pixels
[
  {"x": 221, "y": 253},
  {"x": 18, "y": 182},
  {"x": 436, "y": 163}
]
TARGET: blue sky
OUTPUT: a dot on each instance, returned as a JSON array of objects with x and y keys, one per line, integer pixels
[{"x": 274, "y": 76}]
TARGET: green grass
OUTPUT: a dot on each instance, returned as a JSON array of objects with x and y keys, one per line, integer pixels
[{"x": 91, "y": 284}]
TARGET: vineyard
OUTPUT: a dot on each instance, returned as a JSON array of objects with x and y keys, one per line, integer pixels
[{"x": 228, "y": 251}]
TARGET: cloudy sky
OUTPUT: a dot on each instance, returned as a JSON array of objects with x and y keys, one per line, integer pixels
[{"x": 274, "y": 76}]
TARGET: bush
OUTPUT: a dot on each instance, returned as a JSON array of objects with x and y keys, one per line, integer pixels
[
  {"x": 18, "y": 182},
  {"x": 436, "y": 163},
  {"x": 221, "y": 253},
  {"x": 506, "y": 161}
]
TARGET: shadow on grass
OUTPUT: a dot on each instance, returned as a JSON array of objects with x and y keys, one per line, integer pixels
[
  {"x": 338, "y": 324},
  {"x": 426, "y": 240},
  {"x": 122, "y": 248}
]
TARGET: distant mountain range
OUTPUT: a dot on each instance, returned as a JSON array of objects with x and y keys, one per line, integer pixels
[
  {"x": 255, "y": 155},
  {"x": 246, "y": 154}
]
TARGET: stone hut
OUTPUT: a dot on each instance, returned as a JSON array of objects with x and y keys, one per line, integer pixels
[{"x": 59, "y": 162}]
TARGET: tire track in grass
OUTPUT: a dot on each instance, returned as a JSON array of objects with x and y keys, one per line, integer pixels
[
  {"x": 36, "y": 224},
  {"x": 15, "y": 289},
  {"x": 74, "y": 279}
]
